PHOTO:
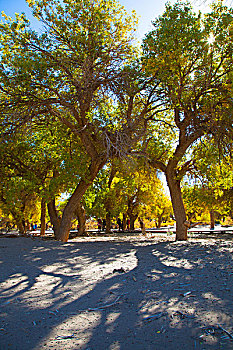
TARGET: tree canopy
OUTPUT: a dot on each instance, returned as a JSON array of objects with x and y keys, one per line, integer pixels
[
  {"x": 191, "y": 56},
  {"x": 65, "y": 73},
  {"x": 79, "y": 97}
]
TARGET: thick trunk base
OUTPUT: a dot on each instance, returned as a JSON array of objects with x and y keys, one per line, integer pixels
[
  {"x": 212, "y": 219},
  {"x": 178, "y": 206},
  {"x": 181, "y": 236}
]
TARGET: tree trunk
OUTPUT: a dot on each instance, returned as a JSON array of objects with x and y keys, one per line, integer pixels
[
  {"x": 65, "y": 225},
  {"x": 132, "y": 218},
  {"x": 42, "y": 217},
  {"x": 159, "y": 221},
  {"x": 174, "y": 174},
  {"x": 212, "y": 221},
  {"x": 21, "y": 227},
  {"x": 20, "y": 222},
  {"x": 55, "y": 220},
  {"x": 80, "y": 212},
  {"x": 131, "y": 213},
  {"x": 178, "y": 205},
  {"x": 108, "y": 222},
  {"x": 68, "y": 213},
  {"x": 27, "y": 225},
  {"x": 143, "y": 227},
  {"x": 108, "y": 202},
  {"x": 124, "y": 221}
]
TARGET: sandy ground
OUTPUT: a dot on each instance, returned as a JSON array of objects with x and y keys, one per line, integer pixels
[{"x": 116, "y": 293}]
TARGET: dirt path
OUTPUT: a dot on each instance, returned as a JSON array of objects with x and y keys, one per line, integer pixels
[{"x": 116, "y": 293}]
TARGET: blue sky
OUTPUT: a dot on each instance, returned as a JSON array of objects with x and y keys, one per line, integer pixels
[{"x": 147, "y": 10}]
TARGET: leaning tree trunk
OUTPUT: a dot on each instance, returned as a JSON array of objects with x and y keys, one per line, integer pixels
[
  {"x": 63, "y": 232},
  {"x": 174, "y": 173},
  {"x": 64, "y": 228},
  {"x": 42, "y": 217},
  {"x": 178, "y": 205},
  {"x": 80, "y": 212}
]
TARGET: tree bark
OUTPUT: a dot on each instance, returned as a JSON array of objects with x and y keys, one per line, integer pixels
[
  {"x": 177, "y": 203},
  {"x": 159, "y": 222},
  {"x": 80, "y": 212},
  {"x": 171, "y": 171},
  {"x": 65, "y": 225},
  {"x": 131, "y": 213},
  {"x": 132, "y": 218},
  {"x": 212, "y": 219},
  {"x": 108, "y": 202},
  {"x": 108, "y": 222},
  {"x": 21, "y": 226},
  {"x": 124, "y": 221},
  {"x": 42, "y": 217},
  {"x": 68, "y": 213},
  {"x": 55, "y": 220},
  {"x": 27, "y": 225},
  {"x": 20, "y": 222}
]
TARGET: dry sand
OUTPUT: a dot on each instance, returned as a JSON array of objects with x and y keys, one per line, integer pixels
[{"x": 116, "y": 293}]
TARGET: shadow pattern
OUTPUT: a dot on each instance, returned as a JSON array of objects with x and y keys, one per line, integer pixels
[{"x": 116, "y": 295}]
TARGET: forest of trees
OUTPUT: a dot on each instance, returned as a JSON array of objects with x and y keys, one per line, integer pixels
[{"x": 90, "y": 120}]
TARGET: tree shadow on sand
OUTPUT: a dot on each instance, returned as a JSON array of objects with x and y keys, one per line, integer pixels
[{"x": 115, "y": 295}]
